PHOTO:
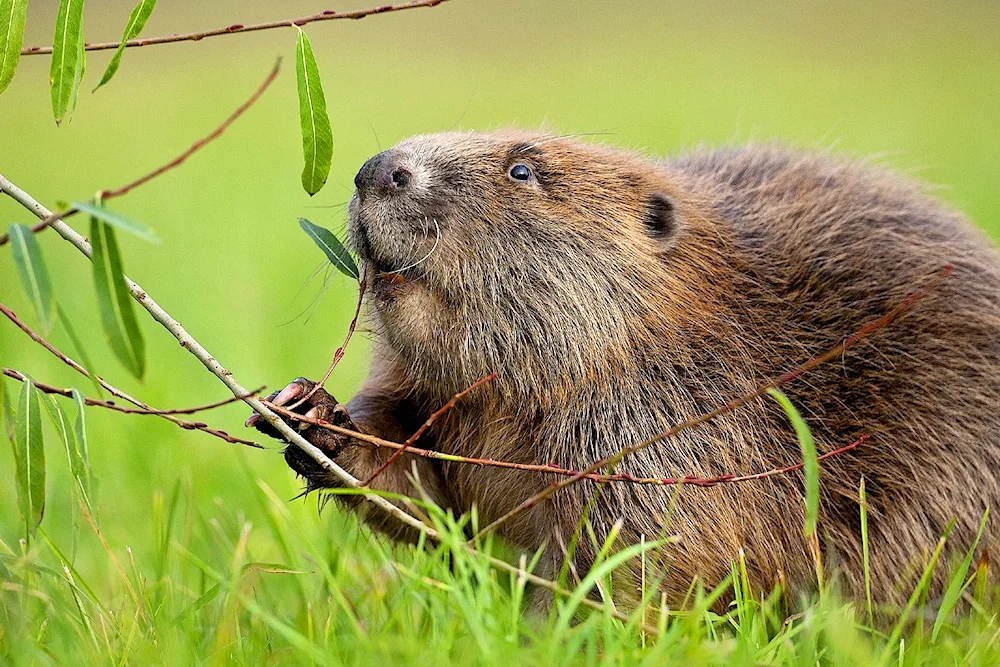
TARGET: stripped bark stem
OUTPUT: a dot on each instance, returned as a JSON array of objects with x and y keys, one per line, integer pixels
[
  {"x": 427, "y": 424},
  {"x": 217, "y": 369},
  {"x": 143, "y": 408},
  {"x": 104, "y": 195},
  {"x": 327, "y": 15},
  {"x": 738, "y": 402}
]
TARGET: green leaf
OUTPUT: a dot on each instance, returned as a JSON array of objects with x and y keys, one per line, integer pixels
[
  {"x": 118, "y": 220},
  {"x": 78, "y": 348},
  {"x": 34, "y": 275},
  {"x": 335, "y": 251},
  {"x": 810, "y": 461},
  {"x": 136, "y": 21},
  {"x": 81, "y": 439},
  {"x": 115, "y": 301},
  {"x": 12, "y": 15},
  {"x": 29, "y": 457},
  {"x": 7, "y": 410},
  {"x": 958, "y": 582},
  {"x": 68, "y": 58},
  {"x": 79, "y": 467},
  {"x": 317, "y": 136}
]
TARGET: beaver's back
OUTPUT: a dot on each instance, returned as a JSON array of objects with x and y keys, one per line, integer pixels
[{"x": 833, "y": 245}]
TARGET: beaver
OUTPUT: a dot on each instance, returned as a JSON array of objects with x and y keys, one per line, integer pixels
[{"x": 617, "y": 295}]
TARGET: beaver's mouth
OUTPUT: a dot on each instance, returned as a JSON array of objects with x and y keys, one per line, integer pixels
[{"x": 385, "y": 271}]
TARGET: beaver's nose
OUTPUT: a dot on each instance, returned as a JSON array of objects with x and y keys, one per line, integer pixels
[{"x": 382, "y": 173}]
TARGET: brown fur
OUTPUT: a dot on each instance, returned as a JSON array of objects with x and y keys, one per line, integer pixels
[{"x": 605, "y": 331}]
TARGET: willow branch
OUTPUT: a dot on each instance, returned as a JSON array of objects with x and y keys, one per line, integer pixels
[
  {"x": 339, "y": 354},
  {"x": 327, "y": 15},
  {"x": 142, "y": 408},
  {"x": 104, "y": 195},
  {"x": 430, "y": 422},
  {"x": 809, "y": 365}
]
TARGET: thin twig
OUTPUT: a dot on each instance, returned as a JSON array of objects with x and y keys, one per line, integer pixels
[
  {"x": 551, "y": 468},
  {"x": 427, "y": 424},
  {"x": 143, "y": 408},
  {"x": 832, "y": 353},
  {"x": 111, "y": 405},
  {"x": 176, "y": 162},
  {"x": 339, "y": 354},
  {"x": 328, "y": 15}
]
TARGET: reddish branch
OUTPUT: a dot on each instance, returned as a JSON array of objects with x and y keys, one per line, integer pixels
[
  {"x": 427, "y": 424},
  {"x": 142, "y": 408},
  {"x": 176, "y": 162},
  {"x": 327, "y": 15},
  {"x": 551, "y": 468},
  {"x": 833, "y": 353},
  {"x": 339, "y": 354}
]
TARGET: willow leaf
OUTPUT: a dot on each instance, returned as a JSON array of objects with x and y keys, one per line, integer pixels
[
  {"x": 12, "y": 15},
  {"x": 136, "y": 22},
  {"x": 80, "y": 428},
  {"x": 34, "y": 276},
  {"x": 68, "y": 58},
  {"x": 78, "y": 465},
  {"x": 115, "y": 301},
  {"x": 317, "y": 136},
  {"x": 335, "y": 251},
  {"x": 118, "y": 220},
  {"x": 810, "y": 461},
  {"x": 29, "y": 456}
]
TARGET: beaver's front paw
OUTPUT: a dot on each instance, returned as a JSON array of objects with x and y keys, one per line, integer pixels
[{"x": 320, "y": 405}]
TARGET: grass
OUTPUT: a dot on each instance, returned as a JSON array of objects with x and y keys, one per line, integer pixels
[{"x": 208, "y": 561}]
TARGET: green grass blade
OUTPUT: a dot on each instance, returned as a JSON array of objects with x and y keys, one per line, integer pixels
[
  {"x": 68, "y": 58},
  {"x": 317, "y": 136},
  {"x": 335, "y": 251},
  {"x": 958, "y": 582},
  {"x": 29, "y": 455},
  {"x": 115, "y": 301},
  {"x": 12, "y": 15},
  {"x": 78, "y": 465},
  {"x": 118, "y": 220},
  {"x": 78, "y": 347},
  {"x": 136, "y": 22},
  {"x": 34, "y": 276},
  {"x": 893, "y": 643},
  {"x": 863, "y": 508},
  {"x": 810, "y": 460}
]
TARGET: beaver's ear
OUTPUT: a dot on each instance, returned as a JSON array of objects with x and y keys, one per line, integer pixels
[{"x": 660, "y": 218}]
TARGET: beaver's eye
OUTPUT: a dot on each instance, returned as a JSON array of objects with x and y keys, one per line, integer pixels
[{"x": 520, "y": 172}]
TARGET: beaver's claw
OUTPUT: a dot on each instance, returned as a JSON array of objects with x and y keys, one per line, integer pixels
[{"x": 319, "y": 406}]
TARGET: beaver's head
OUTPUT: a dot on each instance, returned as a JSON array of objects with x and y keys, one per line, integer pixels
[{"x": 490, "y": 251}]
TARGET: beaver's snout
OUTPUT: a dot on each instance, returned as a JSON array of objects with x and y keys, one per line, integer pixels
[{"x": 383, "y": 173}]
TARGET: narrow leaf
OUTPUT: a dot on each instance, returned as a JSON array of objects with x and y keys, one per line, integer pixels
[
  {"x": 810, "y": 461},
  {"x": 29, "y": 455},
  {"x": 335, "y": 251},
  {"x": 34, "y": 276},
  {"x": 7, "y": 410},
  {"x": 115, "y": 301},
  {"x": 81, "y": 441},
  {"x": 68, "y": 58},
  {"x": 136, "y": 21},
  {"x": 81, "y": 352},
  {"x": 317, "y": 136},
  {"x": 118, "y": 220},
  {"x": 78, "y": 466},
  {"x": 12, "y": 15},
  {"x": 958, "y": 582}
]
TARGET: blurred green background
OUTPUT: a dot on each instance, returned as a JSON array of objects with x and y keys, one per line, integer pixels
[{"x": 917, "y": 84}]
